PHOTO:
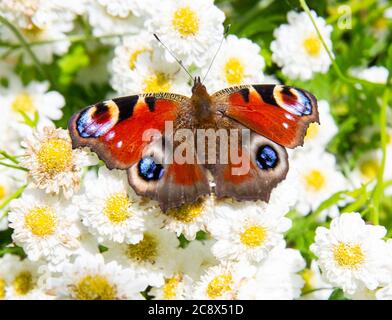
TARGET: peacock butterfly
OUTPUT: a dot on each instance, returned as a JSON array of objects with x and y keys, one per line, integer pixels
[{"x": 276, "y": 116}]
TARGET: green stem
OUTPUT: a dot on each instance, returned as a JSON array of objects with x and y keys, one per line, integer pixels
[
  {"x": 16, "y": 194},
  {"x": 339, "y": 72},
  {"x": 12, "y": 166},
  {"x": 379, "y": 188},
  {"x": 26, "y": 46},
  {"x": 9, "y": 157}
]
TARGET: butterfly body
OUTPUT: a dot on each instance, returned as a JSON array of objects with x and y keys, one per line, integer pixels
[{"x": 275, "y": 116}]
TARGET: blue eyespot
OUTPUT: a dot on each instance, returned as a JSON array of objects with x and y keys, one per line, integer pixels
[
  {"x": 266, "y": 157},
  {"x": 149, "y": 169}
]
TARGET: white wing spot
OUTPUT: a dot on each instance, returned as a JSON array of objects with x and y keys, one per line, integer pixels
[
  {"x": 286, "y": 125},
  {"x": 119, "y": 144}
]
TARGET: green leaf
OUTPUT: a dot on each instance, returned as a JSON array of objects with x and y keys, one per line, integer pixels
[{"x": 337, "y": 294}]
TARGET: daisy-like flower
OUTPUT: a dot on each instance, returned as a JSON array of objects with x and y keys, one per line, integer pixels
[
  {"x": 377, "y": 74},
  {"x": 152, "y": 257},
  {"x": 238, "y": 62},
  {"x": 297, "y": 47},
  {"x": 19, "y": 279},
  {"x": 195, "y": 258},
  {"x": 45, "y": 226},
  {"x": 31, "y": 101},
  {"x": 276, "y": 278},
  {"x": 40, "y": 20},
  {"x": 123, "y": 8},
  {"x": 9, "y": 183},
  {"x": 189, "y": 28},
  {"x": 177, "y": 287},
  {"x": 91, "y": 278},
  {"x": 106, "y": 18},
  {"x": 188, "y": 219},
  {"x": 222, "y": 282},
  {"x": 248, "y": 230},
  {"x": 319, "y": 135},
  {"x": 367, "y": 168},
  {"x": 149, "y": 74},
  {"x": 53, "y": 165},
  {"x": 351, "y": 254},
  {"x": 319, "y": 179},
  {"x": 315, "y": 287},
  {"x": 110, "y": 209},
  {"x": 124, "y": 61}
]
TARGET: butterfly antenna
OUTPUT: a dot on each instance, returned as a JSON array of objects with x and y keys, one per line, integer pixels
[
  {"x": 217, "y": 51},
  {"x": 174, "y": 57}
]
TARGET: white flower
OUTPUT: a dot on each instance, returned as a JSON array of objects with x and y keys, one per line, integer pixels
[
  {"x": 90, "y": 278},
  {"x": 177, "y": 287},
  {"x": 31, "y": 101},
  {"x": 110, "y": 209},
  {"x": 191, "y": 29},
  {"x": 298, "y": 49},
  {"x": 276, "y": 278},
  {"x": 149, "y": 74},
  {"x": 104, "y": 22},
  {"x": 238, "y": 62},
  {"x": 19, "y": 279},
  {"x": 319, "y": 179},
  {"x": 377, "y": 74},
  {"x": 123, "y": 8},
  {"x": 45, "y": 226},
  {"x": 10, "y": 181},
  {"x": 368, "y": 165},
  {"x": 222, "y": 282},
  {"x": 53, "y": 165},
  {"x": 195, "y": 258},
  {"x": 248, "y": 230},
  {"x": 351, "y": 253},
  {"x": 319, "y": 135},
  {"x": 315, "y": 287},
  {"x": 190, "y": 218},
  {"x": 40, "y": 20},
  {"x": 153, "y": 257}
]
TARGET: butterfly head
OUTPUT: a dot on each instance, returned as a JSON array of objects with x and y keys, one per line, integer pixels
[{"x": 201, "y": 100}]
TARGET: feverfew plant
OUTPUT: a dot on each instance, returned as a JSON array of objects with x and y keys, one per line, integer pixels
[{"x": 72, "y": 229}]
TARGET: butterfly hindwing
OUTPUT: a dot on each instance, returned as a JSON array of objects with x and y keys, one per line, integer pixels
[{"x": 279, "y": 113}]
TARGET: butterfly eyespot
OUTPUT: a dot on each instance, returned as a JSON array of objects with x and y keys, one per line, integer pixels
[
  {"x": 149, "y": 170},
  {"x": 266, "y": 157}
]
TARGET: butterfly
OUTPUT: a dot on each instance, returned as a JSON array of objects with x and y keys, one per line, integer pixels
[{"x": 277, "y": 117}]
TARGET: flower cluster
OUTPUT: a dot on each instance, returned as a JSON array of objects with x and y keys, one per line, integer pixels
[{"x": 79, "y": 231}]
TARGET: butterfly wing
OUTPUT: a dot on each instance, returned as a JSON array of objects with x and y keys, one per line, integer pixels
[
  {"x": 279, "y": 113},
  {"x": 261, "y": 165},
  {"x": 115, "y": 131}
]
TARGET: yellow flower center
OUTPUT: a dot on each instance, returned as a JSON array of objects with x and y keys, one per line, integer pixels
[
  {"x": 253, "y": 236},
  {"x": 219, "y": 285},
  {"x": 116, "y": 207},
  {"x": 157, "y": 82},
  {"x": 348, "y": 255},
  {"x": 3, "y": 192},
  {"x": 315, "y": 180},
  {"x": 55, "y": 156},
  {"x": 133, "y": 57},
  {"x": 2, "y": 288},
  {"x": 41, "y": 221},
  {"x": 234, "y": 71},
  {"x": 170, "y": 287},
  {"x": 23, "y": 103},
  {"x": 23, "y": 283},
  {"x": 145, "y": 250},
  {"x": 185, "y": 21},
  {"x": 312, "y": 45},
  {"x": 94, "y": 287},
  {"x": 307, "y": 275},
  {"x": 369, "y": 169},
  {"x": 187, "y": 212},
  {"x": 312, "y": 131}
]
